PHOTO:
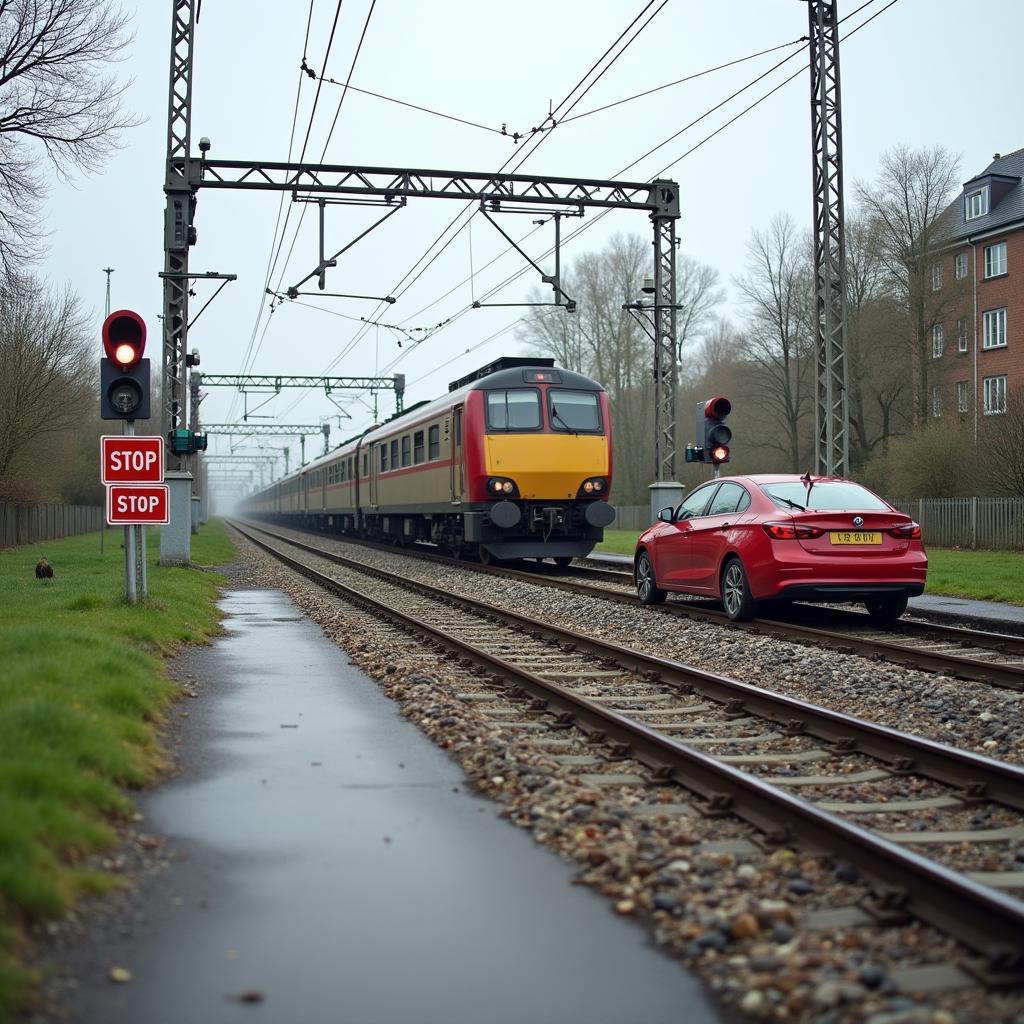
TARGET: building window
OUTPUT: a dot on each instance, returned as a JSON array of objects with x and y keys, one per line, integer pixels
[
  {"x": 995, "y": 259},
  {"x": 976, "y": 203},
  {"x": 961, "y": 396},
  {"x": 994, "y": 329},
  {"x": 960, "y": 265},
  {"x": 936, "y": 276},
  {"x": 961, "y": 334},
  {"x": 938, "y": 339},
  {"x": 995, "y": 395},
  {"x": 937, "y": 400},
  {"x": 434, "y": 443}
]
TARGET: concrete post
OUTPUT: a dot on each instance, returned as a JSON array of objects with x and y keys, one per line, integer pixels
[
  {"x": 663, "y": 494},
  {"x": 176, "y": 536}
]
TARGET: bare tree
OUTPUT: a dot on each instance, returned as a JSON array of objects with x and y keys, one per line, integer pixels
[
  {"x": 878, "y": 359},
  {"x": 1002, "y": 449},
  {"x": 56, "y": 105},
  {"x": 777, "y": 288},
  {"x": 608, "y": 344},
  {"x": 908, "y": 202},
  {"x": 47, "y": 374}
]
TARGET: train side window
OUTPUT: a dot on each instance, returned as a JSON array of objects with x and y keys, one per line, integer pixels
[
  {"x": 406, "y": 450},
  {"x": 434, "y": 440},
  {"x": 383, "y": 458},
  {"x": 366, "y": 463},
  {"x": 417, "y": 447},
  {"x": 394, "y": 454},
  {"x": 458, "y": 427}
]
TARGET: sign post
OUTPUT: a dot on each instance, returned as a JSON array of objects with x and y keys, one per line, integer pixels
[{"x": 132, "y": 468}]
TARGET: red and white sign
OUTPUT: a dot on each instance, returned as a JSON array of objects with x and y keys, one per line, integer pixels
[
  {"x": 131, "y": 460},
  {"x": 138, "y": 504}
]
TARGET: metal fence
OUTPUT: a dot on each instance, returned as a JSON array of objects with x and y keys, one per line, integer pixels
[
  {"x": 29, "y": 524},
  {"x": 968, "y": 522},
  {"x": 945, "y": 522}
]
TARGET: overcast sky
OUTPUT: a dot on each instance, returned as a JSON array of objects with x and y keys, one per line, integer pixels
[{"x": 922, "y": 72}]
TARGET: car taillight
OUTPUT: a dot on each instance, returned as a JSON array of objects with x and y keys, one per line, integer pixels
[
  {"x": 792, "y": 531},
  {"x": 908, "y": 531}
]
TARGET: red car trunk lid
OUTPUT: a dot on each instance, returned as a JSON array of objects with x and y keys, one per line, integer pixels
[{"x": 853, "y": 533}]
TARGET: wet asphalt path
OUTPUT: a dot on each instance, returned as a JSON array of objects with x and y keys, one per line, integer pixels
[{"x": 338, "y": 869}]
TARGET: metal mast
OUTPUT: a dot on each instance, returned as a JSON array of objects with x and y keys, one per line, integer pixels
[
  {"x": 178, "y": 231},
  {"x": 665, "y": 363},
  {"x": 832, "y": 417}
]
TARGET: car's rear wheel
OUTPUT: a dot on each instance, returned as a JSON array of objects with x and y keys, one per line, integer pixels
[
  {"x": 737, "y": 599},
  {"x": 647, "y": 588},
  {"x": 884, "y": 611}
]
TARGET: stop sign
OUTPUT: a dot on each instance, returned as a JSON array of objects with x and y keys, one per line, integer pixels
[
  {"x": 131, "y": 460},
  {"x": 137, "y": 504}
]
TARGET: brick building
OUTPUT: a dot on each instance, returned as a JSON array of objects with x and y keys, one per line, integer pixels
[{"x": 978, "y": 353}]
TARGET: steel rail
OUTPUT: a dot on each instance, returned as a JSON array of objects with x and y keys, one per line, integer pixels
[
  {"x": 979, "y": 777},
  {"x": 958, "y": 666},
  {"x": 982, "y": 918}
]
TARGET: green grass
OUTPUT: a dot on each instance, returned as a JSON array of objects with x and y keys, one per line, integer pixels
[
  {"x": 982, "y": 575},
  {"x": 618, "y": 542},
  {"x": 81, "y": 696}
]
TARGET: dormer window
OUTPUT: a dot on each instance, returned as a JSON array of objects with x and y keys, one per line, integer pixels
[{"x": 976, "y": 203}]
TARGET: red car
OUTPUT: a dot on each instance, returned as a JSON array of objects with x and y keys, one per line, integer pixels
[{"x": 747, "y": 539}]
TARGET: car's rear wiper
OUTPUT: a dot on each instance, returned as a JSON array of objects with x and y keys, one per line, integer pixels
[{"x": 791, "y": 504}]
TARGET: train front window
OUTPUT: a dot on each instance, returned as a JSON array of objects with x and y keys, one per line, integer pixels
[
  {"x": 516, "y": 409},
  {"x": 575, "y": 412}
]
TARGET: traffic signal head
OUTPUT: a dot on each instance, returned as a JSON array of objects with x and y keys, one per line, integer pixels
[
  {"x": 124, "y": 338},
  {"x": 713, "y": 435},
  {"x": 124, "y": 374}
]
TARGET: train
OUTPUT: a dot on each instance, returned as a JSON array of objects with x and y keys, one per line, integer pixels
[{"x": 514, "y": 462}]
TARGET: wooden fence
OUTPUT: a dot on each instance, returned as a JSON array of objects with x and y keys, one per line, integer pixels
[
  {"x": 30, "y": 524},
  {"x": 945, "y": 522}
]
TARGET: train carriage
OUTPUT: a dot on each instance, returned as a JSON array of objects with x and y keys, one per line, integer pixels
[{"x": 514, "y": 462}]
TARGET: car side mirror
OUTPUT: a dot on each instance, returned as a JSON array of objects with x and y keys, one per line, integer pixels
[{"x": 666, "y": 515}]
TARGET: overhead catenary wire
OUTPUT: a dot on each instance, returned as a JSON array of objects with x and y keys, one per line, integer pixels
[
  {"x": 583, "y": 227},
  {"x": 587, "y": 225},
  {"x": 233, "y": 408},
  {"x": 523, "y": 157}
]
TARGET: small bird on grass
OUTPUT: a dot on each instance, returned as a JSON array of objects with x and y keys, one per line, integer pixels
[{"x": 44, "y": 571}]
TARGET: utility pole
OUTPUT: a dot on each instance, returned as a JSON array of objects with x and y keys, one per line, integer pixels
[
  {"x": 832, "y": 415},
  {"x": 108, "y": 271}
]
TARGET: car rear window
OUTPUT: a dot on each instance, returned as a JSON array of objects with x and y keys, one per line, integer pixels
[{"x": 827, "y": 496}]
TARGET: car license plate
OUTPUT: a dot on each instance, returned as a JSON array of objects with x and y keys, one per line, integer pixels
[{"x": 854, "y": 537}]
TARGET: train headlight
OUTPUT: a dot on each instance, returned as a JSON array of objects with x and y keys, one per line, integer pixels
[
  {"x": 593, "y": 486},
  {"x": 502, "y": 487}
]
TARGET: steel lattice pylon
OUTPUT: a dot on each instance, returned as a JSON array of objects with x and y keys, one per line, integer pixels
[
  {"x": 665, "y": 361},
  {"x": 177, "y": 221},
  {"x": 832, "y": 417}
]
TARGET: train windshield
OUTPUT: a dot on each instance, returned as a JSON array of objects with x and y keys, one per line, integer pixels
[
  {"x": 574, "y": 411},
  {"x": 515, "y": 409}
]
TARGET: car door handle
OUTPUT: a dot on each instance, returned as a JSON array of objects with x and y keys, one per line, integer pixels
[{"x": 725, "y": 526}]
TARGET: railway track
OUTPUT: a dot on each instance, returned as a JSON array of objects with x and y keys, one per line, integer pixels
[
  {"x": 742, "y": 751},
  {"x": 994, "y": 658}
]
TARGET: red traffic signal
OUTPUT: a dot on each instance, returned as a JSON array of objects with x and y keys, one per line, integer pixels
[
  {"x": 713, "y": 433},
  {"x": 124, "y": 338},
  {"x": 717, "y": 408}
]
